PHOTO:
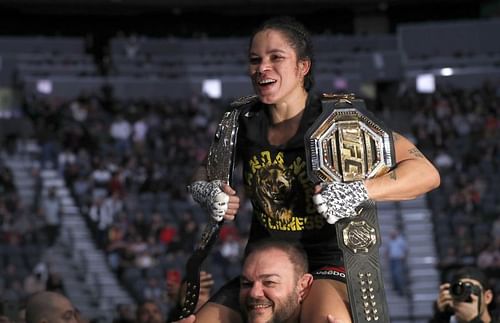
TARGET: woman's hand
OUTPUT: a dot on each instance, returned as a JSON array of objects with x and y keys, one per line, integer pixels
[
  {"x": 336, "y": 200},
  {"x": 217, "y": 197},
  {"x": 233, "y": 204}
]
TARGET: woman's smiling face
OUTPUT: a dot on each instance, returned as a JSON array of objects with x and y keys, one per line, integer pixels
[{"x": 275, "y": 71}]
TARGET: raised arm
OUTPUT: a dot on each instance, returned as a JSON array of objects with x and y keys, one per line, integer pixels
[{"x": 413, "y": 175}]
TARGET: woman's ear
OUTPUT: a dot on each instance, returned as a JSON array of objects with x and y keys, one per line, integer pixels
[{"x": 305, "y": 66}]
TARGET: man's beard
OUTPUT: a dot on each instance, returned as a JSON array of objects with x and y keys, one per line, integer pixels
[
  {"x": 282, "y": 314},
  {"x": 285, "y": 310}
]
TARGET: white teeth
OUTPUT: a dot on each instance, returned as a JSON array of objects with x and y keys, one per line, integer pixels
[
  {"x": 260, "y": 306},
  {"x": 268, "y": 81}
]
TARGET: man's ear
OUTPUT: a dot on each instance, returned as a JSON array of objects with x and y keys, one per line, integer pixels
[
  {"x": 488, "y": 296},
  {"x": 304, "y": 285}
]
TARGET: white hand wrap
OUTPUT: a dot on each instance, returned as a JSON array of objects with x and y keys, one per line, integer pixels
[
  {"x": 210, "y": 196},
  {"x": 339, "y": 200}
]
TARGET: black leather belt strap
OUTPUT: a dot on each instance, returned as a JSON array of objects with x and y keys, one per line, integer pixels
[
  {"x": 191, "y": 293},
  {"x": 220, "y": 165},
  {"x": 359, "y": 240},
  {"x": 346, "y": 143}
]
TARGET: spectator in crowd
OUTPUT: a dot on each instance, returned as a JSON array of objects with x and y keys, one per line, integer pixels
[
  {"x": 52, "y": 212},
  {"x": 228, "y": 254},
  {"x": 396, "y": 254},
  {"x": 49, "y": 307},
  {"x": 153, "y": 290},
  {"x": 149, "y": 312},
  {"x": 120, "y": 131},
  {"x": 139, "y": 134},
  {"x": 124, "y": 314},
  {"x": 101, "y": 176},
  {"x": 66, "y": 159},
  {"x": 102, "y": 219},
  {"x": 466, "y": 297}
]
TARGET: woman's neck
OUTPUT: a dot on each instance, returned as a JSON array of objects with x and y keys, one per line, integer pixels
[
  {"x": 285, "y": 121},
  {"x": 289, "y": 108}
]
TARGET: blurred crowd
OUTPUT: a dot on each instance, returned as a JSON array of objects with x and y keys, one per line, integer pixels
[
  {"x": 127, "y": 164},
  {"x": 460, "y": 130},
  {"x": 25, "y": 233}
]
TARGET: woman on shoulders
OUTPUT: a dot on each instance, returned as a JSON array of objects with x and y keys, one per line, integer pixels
[{"x": 271, "y": 148}]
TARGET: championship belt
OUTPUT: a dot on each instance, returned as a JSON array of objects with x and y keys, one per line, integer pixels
[
  {"x": 221, "y": 159},
  {"x": 347, "y": 144}
]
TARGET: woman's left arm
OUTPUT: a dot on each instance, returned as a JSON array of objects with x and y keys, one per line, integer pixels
[{"x": 413, "y": 175}]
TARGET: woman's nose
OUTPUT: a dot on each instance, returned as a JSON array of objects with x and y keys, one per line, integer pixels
[{"x": 263, "y": 66}]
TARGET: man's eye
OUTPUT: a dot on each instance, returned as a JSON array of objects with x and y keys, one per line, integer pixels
[
  {"x": 269, "y": 283},
  {"x": 277, "y": 58}
]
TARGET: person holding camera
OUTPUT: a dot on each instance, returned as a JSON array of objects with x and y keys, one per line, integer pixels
[{"x": 465, "y": 299}]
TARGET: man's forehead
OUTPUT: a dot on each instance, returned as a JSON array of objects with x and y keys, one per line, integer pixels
[
  {"x": 270, "y": 261},
  {"x": 271, "y": 255},
  {"x": 63, "y": 302}
]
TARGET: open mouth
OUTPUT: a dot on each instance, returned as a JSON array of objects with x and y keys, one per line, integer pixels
[
  {"x": 258, "y": 304},
  {"x": 266, "y": 82},
  {"x": 258, "y": 307}
]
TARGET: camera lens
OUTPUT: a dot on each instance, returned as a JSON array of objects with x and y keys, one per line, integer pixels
[{"x": 461, "y": 291}]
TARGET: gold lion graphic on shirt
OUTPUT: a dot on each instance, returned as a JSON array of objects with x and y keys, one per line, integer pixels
[
  {"x": 274, "y": 190},
  {"x": 281, "y": 193}
]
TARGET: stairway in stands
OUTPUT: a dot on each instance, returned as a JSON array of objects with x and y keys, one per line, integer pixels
[
  {"x": 422, "y": 258},
  {"x": 413, "y": 217},
  {"x": 88, "y": 282},
  {"x": 399, "y": 307}
]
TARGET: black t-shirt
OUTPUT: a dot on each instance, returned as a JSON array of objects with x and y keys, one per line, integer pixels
[{"x": 276, "y": 182}]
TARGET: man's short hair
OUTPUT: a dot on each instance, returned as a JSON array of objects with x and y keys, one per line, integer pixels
[{"x": 295, "y": 252}]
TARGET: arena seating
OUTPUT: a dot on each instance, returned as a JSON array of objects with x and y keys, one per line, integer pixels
[{"x": 129, "y": 184}]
